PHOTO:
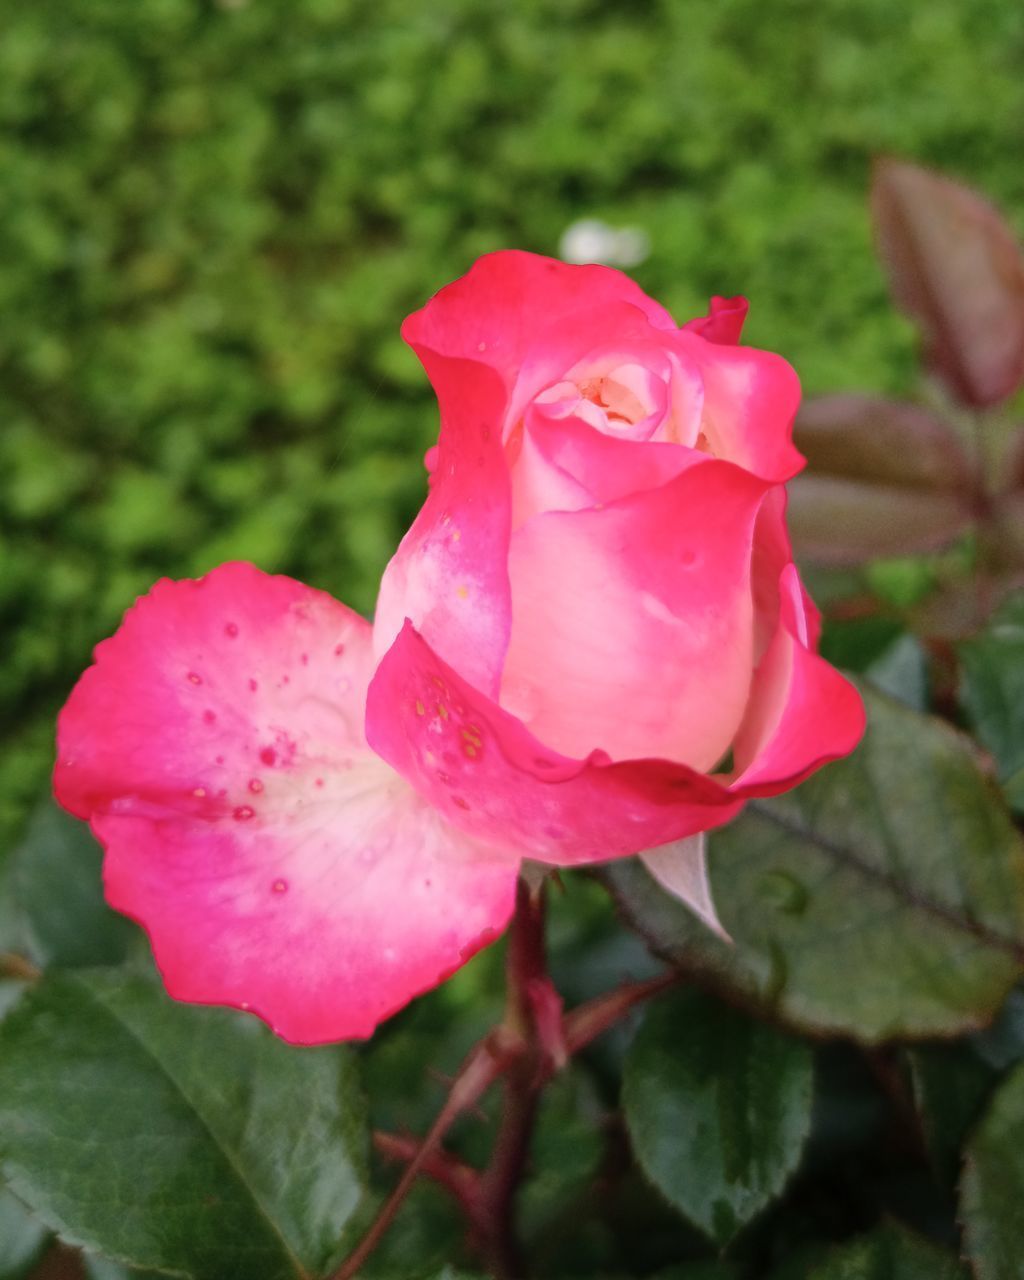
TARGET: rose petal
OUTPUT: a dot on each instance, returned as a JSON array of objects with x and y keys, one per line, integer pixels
[
  {"x": 531, "y": 319},
  {"x": 724, "y": 321},
  {"x": 568, "y": 466},
  {"x": 750, "y": 400},
  {"x": 802, "y": 712},
  {"x": 217, "y": 748},
  {"x": 486, "y": 772},
  {"x": 681, "y": 869},
  {"x": 632, "y": 625},
  {"x": 504, "y": 296},
  {"x": 449, "y": 574}
]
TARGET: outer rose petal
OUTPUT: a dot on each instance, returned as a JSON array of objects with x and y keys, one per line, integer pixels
[
  {"x": 724, "y": 321},
  {"x": 802, "y": 712},
  {"x": 217, "y": 748},
  {"x": 493, "y": 312},
  {"x": 449, "y": 574},
  {"x": 486, "y": 772},
  {"x": 632, "y": 625},
  {"x": 750, "y": 400}
]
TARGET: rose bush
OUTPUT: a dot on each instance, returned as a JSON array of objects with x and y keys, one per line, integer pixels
[{"x": 592, "y": 643}]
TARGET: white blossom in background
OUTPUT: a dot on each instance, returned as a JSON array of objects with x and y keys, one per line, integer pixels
[{"x": 591, "y": 240}]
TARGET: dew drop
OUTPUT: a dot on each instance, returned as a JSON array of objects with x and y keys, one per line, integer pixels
[
  {"x": 244, "y": 812},
  {"x": 339, "y": 649},
  {"x": 218, "y": 759},
  {"x": 268, "y": 755},
  {"x": 199, "y": 792},
  {"x": 280, "y": 886},
  {"x": 231, "y": 630},
  {"x": 253, "y": 686},
  {"x": 210, "y": 717},
  {"x": 255, "y": 786},
  {"x": 459, "y": 802},
  {"x": 193, "y": 678}
]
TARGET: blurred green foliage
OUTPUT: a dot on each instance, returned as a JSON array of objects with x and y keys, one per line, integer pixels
[{"x": 215, "y": 216}]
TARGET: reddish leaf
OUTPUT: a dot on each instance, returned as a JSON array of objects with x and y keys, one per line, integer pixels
[
  {"x": 883, "y": 479},
  {"x": 954, "y": 266}
]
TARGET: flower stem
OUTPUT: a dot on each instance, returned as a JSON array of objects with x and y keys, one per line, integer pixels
[
  {"x": 484, "y": 1063},
  {"x": 526, "y": 972}
]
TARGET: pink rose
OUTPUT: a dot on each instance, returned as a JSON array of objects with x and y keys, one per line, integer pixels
[{"x": 591, "y": 643}]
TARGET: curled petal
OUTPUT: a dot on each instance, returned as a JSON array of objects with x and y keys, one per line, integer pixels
[
  {"x": 568, "y": 466},
  {"x": 724, "y": 321},
  {"x": 750, "y": 400},
  {"x": 216, "y": 747},
  {"x": 802, "y": 712},
  {"x": 449, "y": 574},
  {"x": 481, "y": 768}
]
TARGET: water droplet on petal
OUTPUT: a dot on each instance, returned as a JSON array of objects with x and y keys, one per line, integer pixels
[
  {"x": 243, "y": 813},
  {"x": 253, "y": 686},
  {"x": 458, "y": 800},
  {"x": 194, "y": 678},
  {"x": 255, "y": 786},
  {"x": 199, "y": 792},
  {"x": 231, "y": 629},
  {"x": 209, "y": 717},
  {"x": 268, "y": 755},
  {"x": 339, "y": 649},
  {"x": 280, "y": 886}
]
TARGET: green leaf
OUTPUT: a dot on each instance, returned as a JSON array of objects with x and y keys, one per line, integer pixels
[
  {"x": 993, "y": 687},
  {"x": 23, "y": 1238},
  {"x": 883, "y": 897},
  {"x": 97, "y": 1268},
  {"x": 890, "y": 1253},
  {"x": 177, "y": 1138},
  {"x": 951, "y": 1084},
  {"x": 56, "y": 896},
  {"x": 992, "y": 1190},
  {"x": 901, "y": 671},
  {"x": 718, "y": 1107},
  {"x": 565, "y": 1155}
]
